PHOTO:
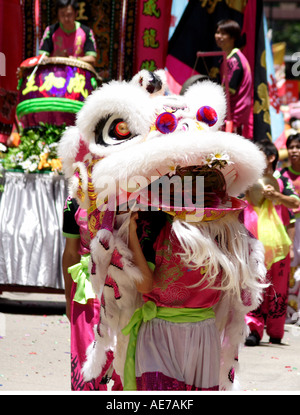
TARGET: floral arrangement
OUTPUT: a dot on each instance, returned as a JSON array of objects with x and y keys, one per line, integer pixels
[
  {"x": 217, "y": 160},
  {"x": 37, "y": 150},
  {"x": 213, "y": 160}
]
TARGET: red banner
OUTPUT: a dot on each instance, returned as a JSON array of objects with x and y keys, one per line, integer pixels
[
  {"x": 153, "y": 22},
  {"x": 11, "y": 56}
]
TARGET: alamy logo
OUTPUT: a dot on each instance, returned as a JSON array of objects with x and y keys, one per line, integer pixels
[
  {"x": 296, "y": 66},
  {"x": 164, "y": 193},
  {"x": 296, "y": 326},
  {"x": 2, "y": 64}
]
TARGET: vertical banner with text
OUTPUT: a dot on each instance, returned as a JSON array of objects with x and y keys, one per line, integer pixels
[{"x": 153, "y": 22}]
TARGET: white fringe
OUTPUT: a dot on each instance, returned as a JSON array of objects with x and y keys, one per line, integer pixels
[
  {"x": 220, "y": 245},
  {"x": 116, "y": 313}
]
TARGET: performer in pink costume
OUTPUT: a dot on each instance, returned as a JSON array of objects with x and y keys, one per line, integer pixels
[
  {"x": 292, "y": 172},
  {"x": 227, "y": 37},
  {"x": 272, "y": 311},
  {"x": 174, "y": 285},
  {"x": 83, "y": 307},
  {"x": 69, "y": 38}
]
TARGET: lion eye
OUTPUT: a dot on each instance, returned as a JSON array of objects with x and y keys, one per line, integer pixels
[
  {"x": 111, "y": 131},
  {"x": 119, "y": 130}
]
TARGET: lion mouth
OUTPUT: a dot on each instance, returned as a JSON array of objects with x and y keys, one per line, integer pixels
[
  {"x": 213, "y": 185},
  {"x": 187, "y": 189}
]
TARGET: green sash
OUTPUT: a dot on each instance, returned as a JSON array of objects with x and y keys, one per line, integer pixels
[
  {"x": 80, "y": 274},
  {"x": 146, "y": 313}
]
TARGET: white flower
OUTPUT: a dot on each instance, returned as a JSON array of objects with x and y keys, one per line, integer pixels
[
  {"x": 19, "y": 157},
  {"x": 221, "y": 157},
  {"x": 208, "y": 160},
  {"x": 3, "y": 148},
  {"x": 26, "y": 165},
  {"x": 33, "y": 167},
  {"x": 34, "y": 158},
  {"x": 172, "y": 169},
  {"x": 30, "y": 164},
  {"x": 217, "y": 159}
]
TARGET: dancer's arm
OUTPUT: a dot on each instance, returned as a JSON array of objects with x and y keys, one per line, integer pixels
[{"x": 139, "y": 258}]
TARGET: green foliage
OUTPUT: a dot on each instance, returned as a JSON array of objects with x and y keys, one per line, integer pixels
[
  {"x": 288, "y": 32},
  {"x": 34, "y": 143}
]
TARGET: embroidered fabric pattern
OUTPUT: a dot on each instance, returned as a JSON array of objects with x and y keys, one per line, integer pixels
[{"x": 159, "y": 381}]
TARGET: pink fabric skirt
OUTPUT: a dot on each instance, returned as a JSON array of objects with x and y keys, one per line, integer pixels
[
  {"x": 178, "y": 356},
  {"x": 83, "y": 319}
]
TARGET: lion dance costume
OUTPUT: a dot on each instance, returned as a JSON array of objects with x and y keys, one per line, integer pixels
[{"x": 208, "y": 272}]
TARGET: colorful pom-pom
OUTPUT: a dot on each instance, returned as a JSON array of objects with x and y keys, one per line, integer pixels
[
  {"x": 207, "y": 115},
  {"x": 166, "y": 123}
]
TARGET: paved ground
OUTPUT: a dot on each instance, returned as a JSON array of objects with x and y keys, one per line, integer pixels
[
  {"x": 35, "y": 350},
  {"x": 34, "y": 343}
]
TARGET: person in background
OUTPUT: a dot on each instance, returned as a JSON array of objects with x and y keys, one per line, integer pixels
[
  {"x": 271, "y": 224},
  {"x": 292, "y": 172},
  {"x": 228, "y": 37},
  {"x": 67, "y": 37}
]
